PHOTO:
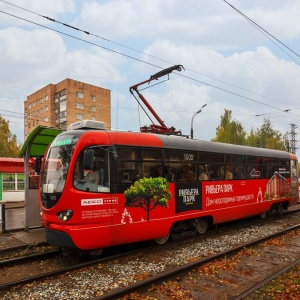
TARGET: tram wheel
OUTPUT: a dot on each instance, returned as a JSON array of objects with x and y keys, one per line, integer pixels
[
  {"x": 200, "y": 224},
  {"x": 279, "y": 208},
  {"x": 162, "y": 240},
  {"x": 263, "y": 215}
]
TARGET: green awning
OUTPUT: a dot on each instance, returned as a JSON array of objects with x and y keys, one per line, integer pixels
[{"x": 38, "y": 140}]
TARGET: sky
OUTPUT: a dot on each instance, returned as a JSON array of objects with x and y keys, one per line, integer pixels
[{"x": 250, "y": 68}]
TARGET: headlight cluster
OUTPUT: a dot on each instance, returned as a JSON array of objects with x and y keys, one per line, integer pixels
[{"x": 65, "y": 215}]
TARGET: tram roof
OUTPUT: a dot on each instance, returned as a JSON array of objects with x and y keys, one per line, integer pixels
[
  {"x": 184, "y": 143},
  {"x": 217, "y": 147}
]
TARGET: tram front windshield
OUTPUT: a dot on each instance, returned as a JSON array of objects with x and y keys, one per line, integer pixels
[{"x": 56, "y": 168}]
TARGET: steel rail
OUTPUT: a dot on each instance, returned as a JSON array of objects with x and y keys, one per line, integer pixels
[
  {"x": 175, "y": 271},
  {"x": 153, "y": 279},
  {"x": 266, "y": 280}
]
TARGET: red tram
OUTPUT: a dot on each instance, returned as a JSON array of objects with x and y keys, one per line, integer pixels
[{"x": 209, "y": 183}]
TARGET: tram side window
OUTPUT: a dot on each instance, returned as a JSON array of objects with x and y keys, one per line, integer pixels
[
  {"x": 236, "y": 159},
  {"x": 253, "y": 172},
  {"x": 151, "y": 154},
  {"x": 237, "y": 172},
  {"x": 215, "y": 171},
  {"x": 203, "y": 172},
  {"x": 172, "y": 155},
  {"x": 152, "y": 169},
  {"x": 127, "y": 153},
  {"x": 128, "y": 171},
  {"x": 268, "y": 171},
  {"x": 92, "y": 170},
  {"x": 152, "y": 166},
  {"x": 269, "y": 167},
  {"x": 170, "y": 172},
  {"x": 284, "y": 168},
  {"x": 211, "y": 157},
  {"x": 180, "y": 165},
  {"x": 186, "y": 172},
  {"x": 128, "y": 168}
]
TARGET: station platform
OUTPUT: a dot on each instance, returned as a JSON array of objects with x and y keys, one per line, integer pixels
[
  {"x": 14, "y": 234},
  {"x": 10, "y": 240}
]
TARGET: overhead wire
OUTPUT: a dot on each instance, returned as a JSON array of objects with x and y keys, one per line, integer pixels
[
  {"x": 265, "y": 31},
  {"x": 134, "y": 58},
  {"x": 138, "y": 51}
]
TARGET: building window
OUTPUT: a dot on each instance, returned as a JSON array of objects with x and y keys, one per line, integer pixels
[
  {"x": 46, "y": 98},
  {"x": 46, "y": 119},
  {"x": 46, "y": 108},
  {"x": 93, "y": 98},
  {"x": 63, "y": 105},
  {"x": 94, "y": 118},
  {"x": 93, "y": 108},
  {"x": 29, "y": 106},
  {"x": 63, "y": 114},
  {"x": 79, "y": 116},
  {"x": 13, "y": 182},
  {"x": 80, "y": 95},
  {"x": 80, "y": 105}
]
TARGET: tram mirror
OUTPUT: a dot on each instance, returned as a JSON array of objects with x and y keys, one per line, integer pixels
[
  {"x": 37, "y": 165},
  {"x": 88, "y": 159}
]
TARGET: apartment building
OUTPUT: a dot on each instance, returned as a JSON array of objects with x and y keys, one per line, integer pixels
[{"x": 58, "y": 105}]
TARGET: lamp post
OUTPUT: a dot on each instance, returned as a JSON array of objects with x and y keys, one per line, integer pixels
[{"x": 194, "y": 115}]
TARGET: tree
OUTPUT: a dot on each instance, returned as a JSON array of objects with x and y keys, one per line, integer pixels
[
  {"x": 9, "y": 146},
  {"x": 147, "y": 193},
  {"x": 267, "y": 137},
  {"x": 230, "y": 131}
]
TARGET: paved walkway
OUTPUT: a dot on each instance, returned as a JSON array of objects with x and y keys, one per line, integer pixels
[
  {"x": 21, "y": 238},
  {"x": 14, "y": 234}
]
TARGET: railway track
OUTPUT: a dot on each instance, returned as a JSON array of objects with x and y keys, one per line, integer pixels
[
  {"x": 24, "y": 251},
  {"x": 267, "y": 280},
  {"x": 196, "y": 287},
  {"x": 54, "y": 258},
  {"x": 149, "y": 265}
]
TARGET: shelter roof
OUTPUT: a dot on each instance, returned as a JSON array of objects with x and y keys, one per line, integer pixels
[{"x": 39, "y": 139}]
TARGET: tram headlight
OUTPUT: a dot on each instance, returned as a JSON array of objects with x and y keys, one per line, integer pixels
[{"x": 65, "y": 215}]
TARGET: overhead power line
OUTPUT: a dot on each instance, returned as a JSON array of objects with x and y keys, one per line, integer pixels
[
  {"x": 129, "y": 56},
  {"x": 138, "y": 51},
  {"x": 265, "y": 31}
]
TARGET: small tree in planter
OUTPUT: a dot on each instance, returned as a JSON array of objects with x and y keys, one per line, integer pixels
[{"x": 148, "y": 193}]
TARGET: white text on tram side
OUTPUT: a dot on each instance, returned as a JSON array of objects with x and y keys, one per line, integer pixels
[{"x": 218, "y": 188}]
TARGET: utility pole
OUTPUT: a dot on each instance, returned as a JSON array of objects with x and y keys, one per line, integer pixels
[{"x": 293, "y": 139}]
